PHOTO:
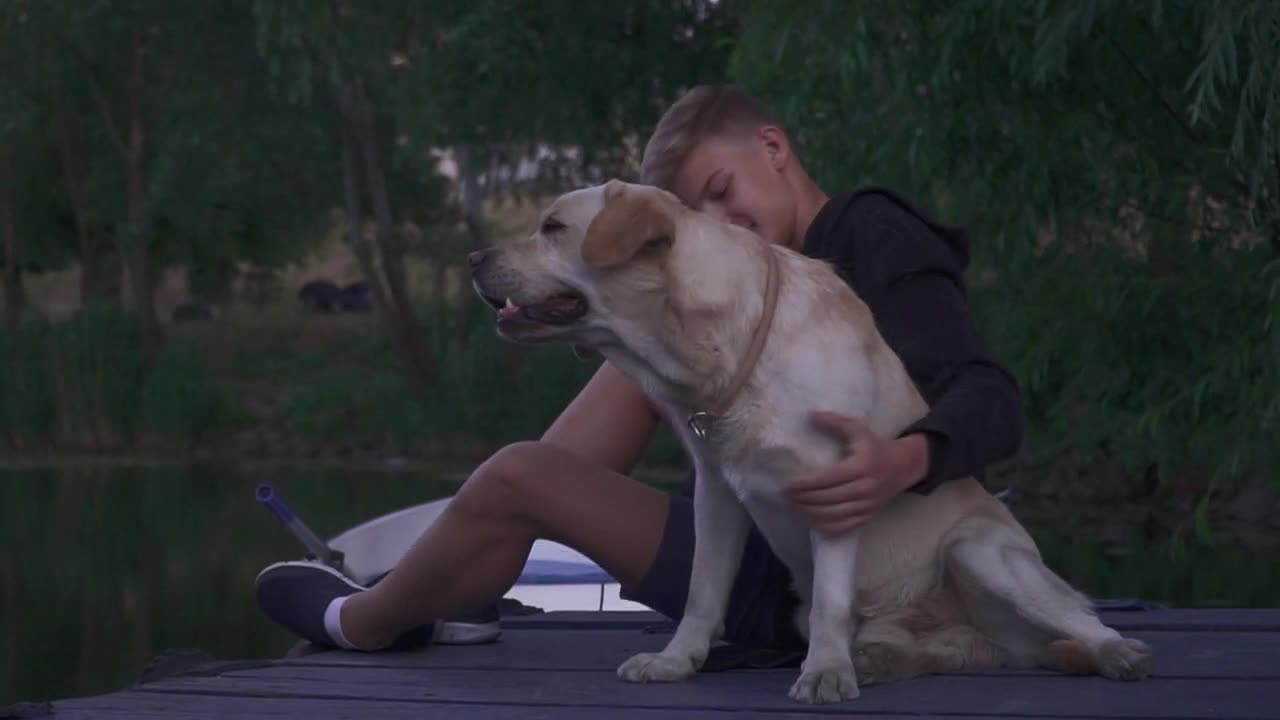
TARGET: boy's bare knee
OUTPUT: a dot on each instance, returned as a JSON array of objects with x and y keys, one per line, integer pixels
[
  {"x": 513, "y": 465},
  {"x": 510, "y": 481}
]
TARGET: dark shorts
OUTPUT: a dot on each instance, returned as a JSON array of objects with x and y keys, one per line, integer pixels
[{"x": 760, "y": 604}]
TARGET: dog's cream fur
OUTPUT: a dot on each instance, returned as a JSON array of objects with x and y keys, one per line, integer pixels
[{"x": 932, "y": 583}]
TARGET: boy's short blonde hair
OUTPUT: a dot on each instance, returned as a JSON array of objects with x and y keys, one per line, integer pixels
[{"x": 703, "y": 112}]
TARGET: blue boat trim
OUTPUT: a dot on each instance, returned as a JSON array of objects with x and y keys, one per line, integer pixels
[{"x": 562, "y": 572}]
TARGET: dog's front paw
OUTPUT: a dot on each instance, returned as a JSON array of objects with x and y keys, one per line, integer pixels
[
  {"x": 657, "y": 667},
  {"x": 1124, "y": 659},
  {"x": 826, "y": 685}
]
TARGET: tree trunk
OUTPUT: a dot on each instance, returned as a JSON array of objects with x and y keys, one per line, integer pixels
[
  {"x": 134, "y": 251},
  {"x": 355, "y": 237},
  {"x": 94, "y": 285},
  {"x": 437, "y": 302},
  {"x": 97, "y": 282},
  {"x": 395, "y": 307},
  {"x": 387, "y": 286},
  {"x": 390, "y": 245},
  {"x": 13, "y": 297}
]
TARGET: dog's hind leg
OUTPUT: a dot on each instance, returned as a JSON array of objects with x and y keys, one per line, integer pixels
[
  {"x": 828, "y": 675},
  {"x": 1012, "y": 597},
  {"x": 888, "y": 651},
  {"x": 721, "y": 525}
]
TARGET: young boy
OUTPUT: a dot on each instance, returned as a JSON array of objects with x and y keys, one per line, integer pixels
[{"x": 720, "y": 151}]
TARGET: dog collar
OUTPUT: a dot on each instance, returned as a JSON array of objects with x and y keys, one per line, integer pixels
[{"x": 700, "y": 421}]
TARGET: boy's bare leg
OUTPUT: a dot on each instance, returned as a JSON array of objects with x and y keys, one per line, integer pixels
[{"x": 476, "y": 548}]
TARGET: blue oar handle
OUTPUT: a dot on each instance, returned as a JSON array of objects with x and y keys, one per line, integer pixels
[{"x": 267, "y": 495}]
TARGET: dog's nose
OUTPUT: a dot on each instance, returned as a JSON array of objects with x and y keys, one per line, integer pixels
[{"x": 476, "y": 258}]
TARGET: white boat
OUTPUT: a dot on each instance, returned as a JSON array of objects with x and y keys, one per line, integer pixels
[{"x": 555, "y": 576}]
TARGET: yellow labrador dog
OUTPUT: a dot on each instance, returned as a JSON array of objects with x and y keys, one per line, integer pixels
[{"x": 737, "y": 341}]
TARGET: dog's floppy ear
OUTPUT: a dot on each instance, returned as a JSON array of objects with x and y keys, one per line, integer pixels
[{"x": 631, "y": 221}]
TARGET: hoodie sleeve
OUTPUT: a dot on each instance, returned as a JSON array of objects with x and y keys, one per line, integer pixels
[{"x": 910, "y": 272}]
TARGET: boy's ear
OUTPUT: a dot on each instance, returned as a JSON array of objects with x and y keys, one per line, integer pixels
[
  {"x": 775, "y": 145},
  {"x": 634, "y": 220}
]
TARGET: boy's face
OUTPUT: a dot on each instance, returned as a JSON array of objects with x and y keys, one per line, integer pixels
[{"x": 742, "y": 180}]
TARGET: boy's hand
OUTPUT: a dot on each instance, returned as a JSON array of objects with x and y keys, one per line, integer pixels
[{"x": 873, "y": 472}]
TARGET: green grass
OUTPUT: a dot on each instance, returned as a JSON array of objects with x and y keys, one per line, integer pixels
[{"x": 84, "y": 385}]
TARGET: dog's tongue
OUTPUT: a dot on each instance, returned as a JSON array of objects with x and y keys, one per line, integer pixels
[{"x": 508, "y": 310}]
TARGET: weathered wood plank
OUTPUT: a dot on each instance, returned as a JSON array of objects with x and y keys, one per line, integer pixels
[
  {"x": 518, "y": 649},
  {"x": 1198, "y": 619},
  {"x": 755, "y": 691},
  {"x": 1177, "y": 654},
  {"x": 173, "y": 706},
  {"x": 1188, "y": 619}
]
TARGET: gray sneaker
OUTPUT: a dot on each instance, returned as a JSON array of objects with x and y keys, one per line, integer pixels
[{"x": 295, "y": 595}]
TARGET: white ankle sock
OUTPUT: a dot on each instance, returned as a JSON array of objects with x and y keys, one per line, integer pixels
[{"x": 333, "y": 624}]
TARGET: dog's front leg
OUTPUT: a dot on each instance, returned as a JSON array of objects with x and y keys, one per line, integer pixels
[
  {"x": 721, "y": 524},
  {"x": 827, "y": 675}
]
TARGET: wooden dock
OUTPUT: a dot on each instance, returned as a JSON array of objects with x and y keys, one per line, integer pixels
[{"x": 560, "y": 666}]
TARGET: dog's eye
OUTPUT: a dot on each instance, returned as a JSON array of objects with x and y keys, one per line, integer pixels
[{"x": 551, "y": 225}]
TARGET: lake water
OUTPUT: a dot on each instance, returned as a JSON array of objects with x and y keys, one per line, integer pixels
[{"x": 103, "y": 568}]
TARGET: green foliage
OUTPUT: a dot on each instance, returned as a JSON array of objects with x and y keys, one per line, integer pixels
[
  {"x": 26, "y": 414},
  {"x": 96, "y": 370},
  {"x": 233, "y": 106},
  {"x": 1116, "y": 163},
  {"x": 351, "y": 404},
  {"x": 495, "y": 394},
  {"x": 83, "y": 385},
  {"x": 457, "y": 71},
  {"x": 492, "y": 57},
  {"x": 1200, "y": 576},
  {"x": 215, "y": 187},
  {"x": 1133, "y": 368},
  {"x": 179, "y": 398},
  {"x": 1076, "y": 105}
]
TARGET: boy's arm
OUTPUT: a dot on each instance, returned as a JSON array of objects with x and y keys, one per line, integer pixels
[{"x": 913, "y": 282}]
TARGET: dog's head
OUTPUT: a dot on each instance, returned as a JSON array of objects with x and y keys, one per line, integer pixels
[{"x": 621, "y": 268}]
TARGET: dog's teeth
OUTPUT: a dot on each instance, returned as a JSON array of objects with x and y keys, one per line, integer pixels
[{"x": 509, "y": 305}]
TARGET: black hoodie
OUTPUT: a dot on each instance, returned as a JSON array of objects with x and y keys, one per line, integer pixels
[{"x": 909, "y": 270}]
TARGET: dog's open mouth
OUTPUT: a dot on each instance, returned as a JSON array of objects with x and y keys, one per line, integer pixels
[{"x": 563, "y": 308}]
